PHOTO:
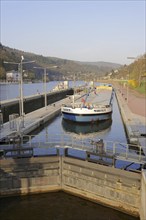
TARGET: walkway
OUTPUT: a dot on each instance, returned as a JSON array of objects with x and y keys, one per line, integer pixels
[
  {"x": 134, "y": 114},
  {"x": 32, "y": 120}
]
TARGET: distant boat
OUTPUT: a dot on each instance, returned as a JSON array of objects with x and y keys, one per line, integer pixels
[{"x": 96, "y": 105}]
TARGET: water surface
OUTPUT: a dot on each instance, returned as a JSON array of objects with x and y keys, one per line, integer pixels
[{"x": 56, "y": 206}]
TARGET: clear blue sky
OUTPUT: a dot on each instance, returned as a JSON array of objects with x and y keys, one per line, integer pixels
[{"x": 77, "y": 30}]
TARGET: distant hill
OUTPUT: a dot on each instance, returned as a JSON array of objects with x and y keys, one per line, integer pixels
[
  {"x": 101, "y": 64},
  {"x": 57, "y": 69}
]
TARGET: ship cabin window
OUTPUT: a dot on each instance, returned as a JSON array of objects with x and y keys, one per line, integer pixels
[
  {"x": 97, "y": 110},
  {"x": 67, "y": 109}
]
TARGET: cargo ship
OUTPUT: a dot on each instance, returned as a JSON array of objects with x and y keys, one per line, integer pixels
[{"x": 95, "y": 105}]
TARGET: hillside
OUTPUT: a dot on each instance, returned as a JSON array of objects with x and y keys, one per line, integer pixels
[
  {"x": 135, "y": 71},
  {"x": 101, "y": 64},
  {"x": 57, "y": 69}
]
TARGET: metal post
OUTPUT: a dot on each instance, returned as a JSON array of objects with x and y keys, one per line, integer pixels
[
  {"x": 1, "y": 120},
  {"x": 128, "y": 86},
  {"x": 21, "y": 106},
  {"x": 45, "y": 88},
  {"x": 140, "y": 151},
  {"x": 29, "y": 140},
  {"x": 45, "y": 83},
  {"x": 74, "y": 92},
  {"x": 19, "y": 70},
  {"x": 21, "y": 90},
  {"x": 105, "y": 147},
  {"x": 127, "y": 149},
  {"x": 127, "y": 92}
]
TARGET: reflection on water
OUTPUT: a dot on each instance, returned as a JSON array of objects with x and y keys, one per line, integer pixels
[{"x": 86, "y": 128}]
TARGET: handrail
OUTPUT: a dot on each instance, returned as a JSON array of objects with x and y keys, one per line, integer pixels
[{"x": 121, "y": 151}]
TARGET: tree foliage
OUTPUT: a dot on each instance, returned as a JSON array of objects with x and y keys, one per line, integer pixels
[{"x": 135, "y": 71}]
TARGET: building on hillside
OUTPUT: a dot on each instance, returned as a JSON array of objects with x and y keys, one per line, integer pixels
[
  {"x": 13, "y": 76},
  {"x": 61, "y": 86}
]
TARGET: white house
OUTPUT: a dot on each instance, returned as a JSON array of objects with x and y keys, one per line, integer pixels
[{"x": 13, "y": 76}]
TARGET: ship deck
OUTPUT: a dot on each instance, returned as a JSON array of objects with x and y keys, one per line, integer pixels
[{"x": 100, "y": 96}]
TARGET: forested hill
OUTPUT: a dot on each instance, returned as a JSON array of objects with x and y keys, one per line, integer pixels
[{"x": 57, "y": 69}]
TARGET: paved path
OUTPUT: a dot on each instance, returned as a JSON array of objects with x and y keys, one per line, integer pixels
[
  {"x": 32, "y": 120},
  {"x": 136, "y": 102},
  {"x": 134, "y": 114}
]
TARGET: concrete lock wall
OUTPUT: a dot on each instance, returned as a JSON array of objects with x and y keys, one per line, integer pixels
[
  {"x": 143, "y": 196},
  {"x": 109, "y": 186},
  {"x": 29, "y": 175},
  {"x": 112, "y": 187},
  {"x": 32, "y": 103}
]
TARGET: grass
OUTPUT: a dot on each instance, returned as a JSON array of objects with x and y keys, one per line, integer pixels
[{"x": 141, "y": 89}]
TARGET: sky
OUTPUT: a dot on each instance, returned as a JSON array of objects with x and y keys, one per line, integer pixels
[{"x": 92, "y": 31}]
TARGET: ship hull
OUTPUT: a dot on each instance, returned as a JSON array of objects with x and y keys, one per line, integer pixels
[{"x": 86, "y": 117}]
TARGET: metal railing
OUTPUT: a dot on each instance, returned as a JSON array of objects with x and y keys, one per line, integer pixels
[{"x": 121, "y": 151}]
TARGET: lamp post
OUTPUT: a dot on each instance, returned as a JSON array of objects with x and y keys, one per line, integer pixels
[
  {"x": 45, "y": 82},
  {"x": 127, "y": 84},
  {"x": 127, "y": 88},
  {"x": 21, "y": 92},
  {"x": 45, "y": 86},
  {"x": 21, "y": 105}
]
